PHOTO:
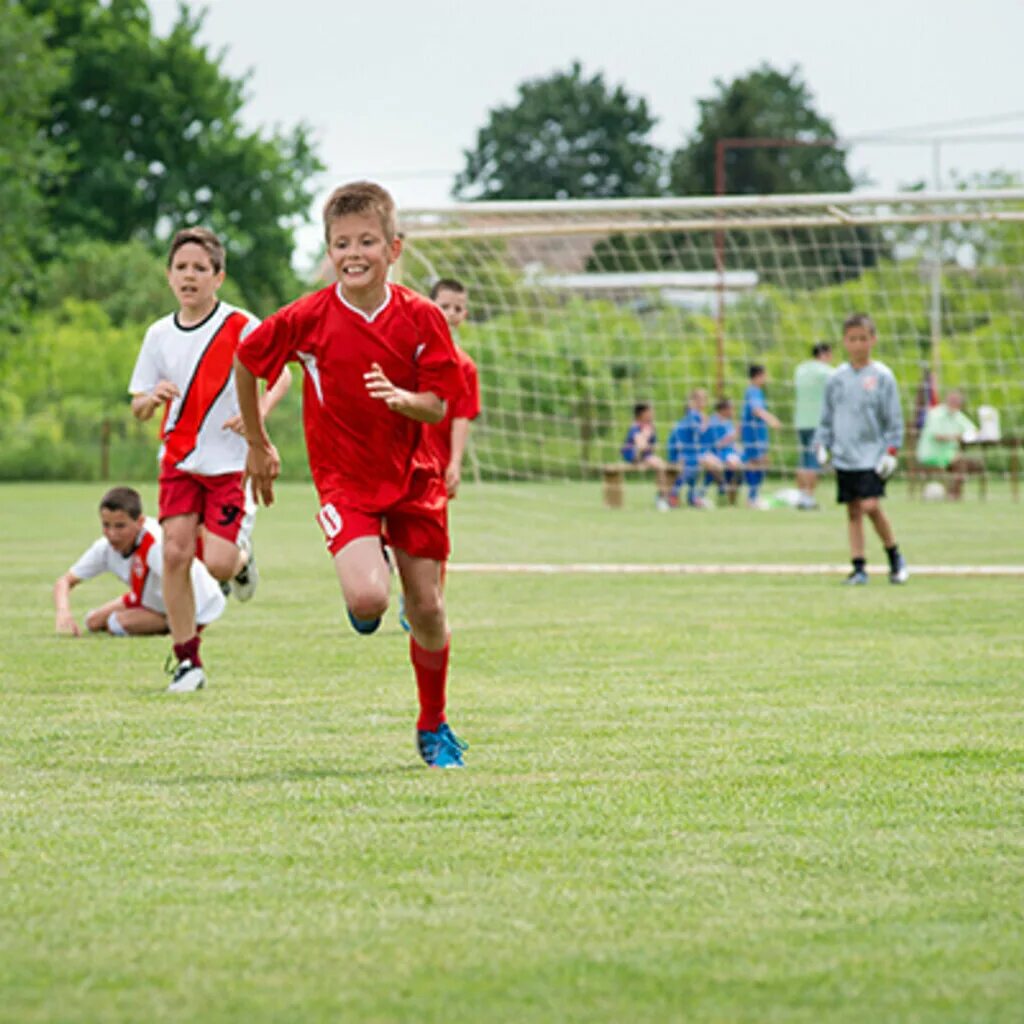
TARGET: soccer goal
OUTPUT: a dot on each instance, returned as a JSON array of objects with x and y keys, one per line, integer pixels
[{"x": 582, "y": 309}]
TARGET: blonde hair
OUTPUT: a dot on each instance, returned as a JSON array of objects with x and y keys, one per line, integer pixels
[
  {"x": 361, "y": 197},
  {"x": 204, "y": 238}
]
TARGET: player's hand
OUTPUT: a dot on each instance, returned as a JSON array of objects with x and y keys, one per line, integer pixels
[
  {"x": 886, "y": 465},
  {"x": 262, "y": 467},
  {"x": 378, "y": 385},
  {"x": 165, "y": 391},
  {"x": 66, "y": 625},
  {"x": 822, "y": 454},
  {"x": 234, "y": 423},
  {"x": 452, "y": 479}
]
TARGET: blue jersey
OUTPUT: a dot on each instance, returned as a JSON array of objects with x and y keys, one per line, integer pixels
[
  {"x": 753, "y": 429},
  {"x": 684, "y": 443},
  {"x": 717, "y": 430},
  {"x": 630, "y": 451}
]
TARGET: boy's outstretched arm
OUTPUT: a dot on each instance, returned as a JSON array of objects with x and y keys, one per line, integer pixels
[
  {"x": 262, "y": 463},
  {"x": 65, "y": 621}
]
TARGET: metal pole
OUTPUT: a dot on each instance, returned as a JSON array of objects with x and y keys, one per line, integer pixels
[
  {"x": 720, "y": 145},
  {"x": 935, "y": 309}
]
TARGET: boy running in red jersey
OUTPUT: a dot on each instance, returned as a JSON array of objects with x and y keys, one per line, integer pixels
[
  {"x": 186, "y": 363},
  {"x": 379, "y": 362}
]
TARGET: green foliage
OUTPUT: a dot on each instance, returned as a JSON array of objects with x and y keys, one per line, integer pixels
[
  {"x": 567, "y": 136},
  {"x": 125, "y": 279},
  {"x": 765, "y": 103},
  {"x": 65, "y": 411},
  {"x": 150, "y": 129},
  {"x": 30, "y": 72}
]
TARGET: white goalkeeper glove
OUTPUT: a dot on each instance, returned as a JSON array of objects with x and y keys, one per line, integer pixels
[
  {"x": 821, "y": 453},
  {"x": 886, "y": 465}
]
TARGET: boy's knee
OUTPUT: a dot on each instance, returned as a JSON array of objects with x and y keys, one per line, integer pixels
[
  {"x": 178, "y": 554},
  {"x": 367, "y": 603},
  {"x": 425, "y": 609},
  {"x": 95, "y": 621}
]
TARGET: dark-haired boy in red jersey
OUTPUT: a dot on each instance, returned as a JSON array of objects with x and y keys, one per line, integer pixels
[
  {"x": 379, "y": 363},
  {"x": 447, "y": 439}
]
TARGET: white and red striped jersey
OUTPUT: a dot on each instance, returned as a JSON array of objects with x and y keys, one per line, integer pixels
[
  {"x": 200, "y": 361},
  {"x": 142, "y": 570}
]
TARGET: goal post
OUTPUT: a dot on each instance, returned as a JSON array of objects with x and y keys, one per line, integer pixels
[{"x": 579, "y": 309}]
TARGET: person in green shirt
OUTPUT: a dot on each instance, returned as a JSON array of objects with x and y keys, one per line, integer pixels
[
  {"x": 809, "y": 383},
  {"x": 944, "y": 429}
]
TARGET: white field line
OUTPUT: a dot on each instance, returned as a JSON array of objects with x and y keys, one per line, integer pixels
[{"x": 735, "y": 569}]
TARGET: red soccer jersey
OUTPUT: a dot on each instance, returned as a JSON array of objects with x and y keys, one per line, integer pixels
[
  {"x": 355, "y": 443},
  {"x": 438, "y": 436}
]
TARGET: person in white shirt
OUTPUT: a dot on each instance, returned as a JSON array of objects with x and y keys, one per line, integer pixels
[
  {"x": 185, "y": 368},
  {"x": 130, "y": 548}
]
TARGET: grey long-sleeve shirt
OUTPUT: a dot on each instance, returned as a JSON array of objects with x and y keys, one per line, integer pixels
[{"x": 861, "y": 416}]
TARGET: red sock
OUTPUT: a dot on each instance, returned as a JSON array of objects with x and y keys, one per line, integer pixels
[
  {"x": 431, "y": 669},
  {"x": 190, "y": 650}
]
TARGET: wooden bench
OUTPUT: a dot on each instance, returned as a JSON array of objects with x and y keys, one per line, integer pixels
[
  {"x": 613, "y": 476},
  {"x": 918, "y": 475}
]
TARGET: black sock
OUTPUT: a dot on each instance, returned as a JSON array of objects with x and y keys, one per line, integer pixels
[
  {"x": 859, "y": 564},
  {"x": 894, "y": 555}
]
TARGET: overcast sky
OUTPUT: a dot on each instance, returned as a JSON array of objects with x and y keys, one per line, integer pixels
[{"x": 396, "y": 91}]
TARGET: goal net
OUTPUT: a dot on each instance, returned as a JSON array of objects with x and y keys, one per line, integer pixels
[{"x": 582, "y": 309}]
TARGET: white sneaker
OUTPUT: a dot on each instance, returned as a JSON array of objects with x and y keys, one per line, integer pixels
[
  {"x": 243, "y": 586},
  {"x": 187, "y": 678},
  {"x": 900, "y": 574},
  {"x": 760, "y": 504},
  {"x": 661, "y": 504}
]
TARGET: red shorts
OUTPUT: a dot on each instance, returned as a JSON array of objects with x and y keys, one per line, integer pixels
[
  {"x": 219, "y": 501},
  {"x": 418, "y": 524}
]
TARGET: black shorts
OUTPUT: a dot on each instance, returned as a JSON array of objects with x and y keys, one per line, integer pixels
[{"x": 855, "y": 484}]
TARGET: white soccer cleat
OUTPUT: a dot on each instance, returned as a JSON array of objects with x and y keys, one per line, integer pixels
[
  {"x": 187, "y": 678},
  {"x": 900, "y": 573},
  {"x": 243, "y": 586}
]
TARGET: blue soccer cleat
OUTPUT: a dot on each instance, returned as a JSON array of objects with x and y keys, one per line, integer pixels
[
  {"x": 402, "y": 620},
  {"x": 441, "y": 749},
  {"x": 364, "y": 627},
  {"x": 857, "y": 578}
]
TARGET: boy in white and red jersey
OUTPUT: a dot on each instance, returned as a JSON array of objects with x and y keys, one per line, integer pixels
[
  {"x": 379, "y": 363},
  {"x": 131, "y": 549},
  {"x": 186, "y": 363}
]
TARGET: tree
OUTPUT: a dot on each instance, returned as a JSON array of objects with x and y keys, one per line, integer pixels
[
  {"x": 762, "y": 104},
  {"x": 568, "y": 136},
  {"x": 765, "y": 103},
  {"x": 151, "y": 130},
  {"x": 29, "y": 73}
]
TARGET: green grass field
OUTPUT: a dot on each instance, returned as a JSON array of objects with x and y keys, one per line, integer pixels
[{"x": 715, "y": 798}]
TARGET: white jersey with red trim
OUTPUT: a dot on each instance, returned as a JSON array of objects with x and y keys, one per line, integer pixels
[
  {"x": 199, "y": 360},
  {"x": 142, "y": 570}
]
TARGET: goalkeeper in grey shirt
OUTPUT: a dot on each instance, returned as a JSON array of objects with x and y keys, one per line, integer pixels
[{"x": 861, "y": 430}]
